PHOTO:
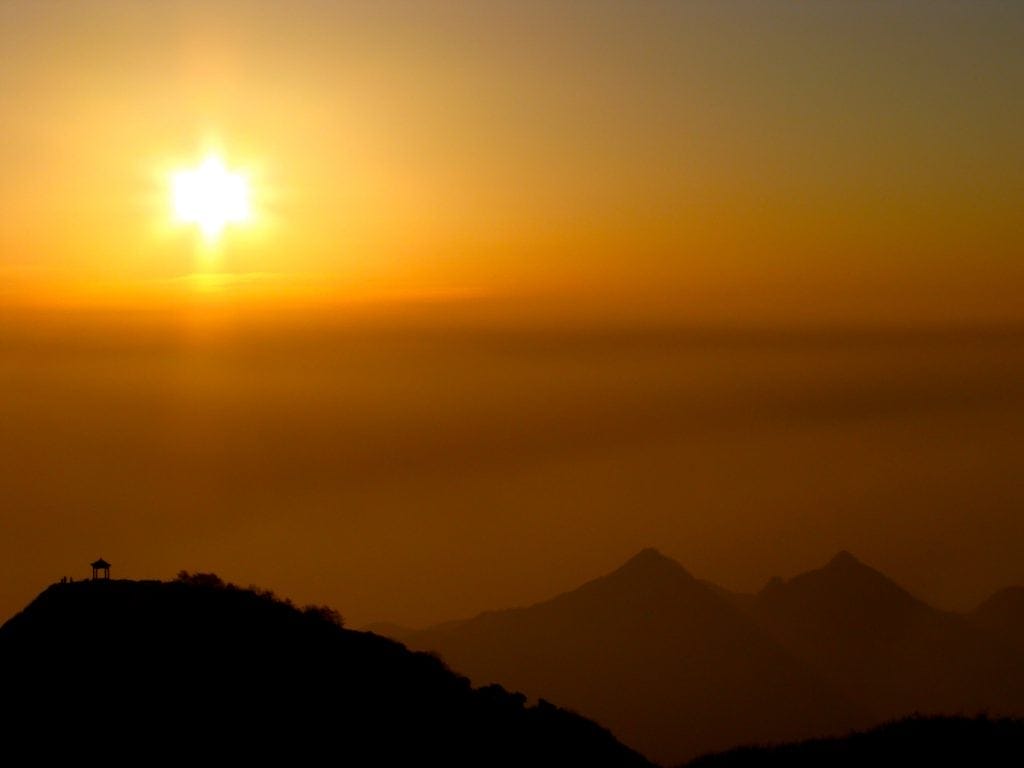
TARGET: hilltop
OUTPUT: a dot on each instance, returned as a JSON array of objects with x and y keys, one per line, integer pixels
[{"x": 144, "y": 670}]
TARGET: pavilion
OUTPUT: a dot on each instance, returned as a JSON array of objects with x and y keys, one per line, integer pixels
[{"x": 100, "y": 570}]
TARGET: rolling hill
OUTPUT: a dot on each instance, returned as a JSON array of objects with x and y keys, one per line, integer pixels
[{"x": 196, "y": 670}]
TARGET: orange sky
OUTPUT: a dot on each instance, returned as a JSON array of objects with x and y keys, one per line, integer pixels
[
  {"x": 731, "y": 161},
  {"x": 528, "y": 286}
]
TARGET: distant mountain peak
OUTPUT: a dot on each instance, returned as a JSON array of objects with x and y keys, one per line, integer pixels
[
  {"x": 669, "y": 662},
  {"x": 844, "y": 559},
  {"x": 843, "y": 568},
  {"x": 647, "y": 576},
  {"x": 844, "y": 580},
  {"x": 648, "y": 555},
  {"x": 650, "y": 560}
]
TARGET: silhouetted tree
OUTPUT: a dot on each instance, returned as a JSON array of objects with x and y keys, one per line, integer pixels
[{"x": 324, "y": 613}]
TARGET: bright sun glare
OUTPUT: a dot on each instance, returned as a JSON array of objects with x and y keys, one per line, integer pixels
[{"x": 211, "y": 197}]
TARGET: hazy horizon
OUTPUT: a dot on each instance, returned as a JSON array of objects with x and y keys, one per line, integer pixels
[{"x": 431, "y": 466}]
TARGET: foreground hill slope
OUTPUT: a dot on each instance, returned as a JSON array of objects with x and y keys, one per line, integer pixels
[
  {"x": 671, "y": 665},
  {"x": 145, "y": 670},
  {"x": 980, "y": 742}
]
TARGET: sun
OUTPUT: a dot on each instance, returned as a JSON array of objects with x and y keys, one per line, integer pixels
[{"x": 210, "y": 196}]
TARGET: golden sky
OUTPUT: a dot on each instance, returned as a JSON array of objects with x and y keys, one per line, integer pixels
[
  {"x": 771, "y": 255},
  {"x": 735, "y": 161}
]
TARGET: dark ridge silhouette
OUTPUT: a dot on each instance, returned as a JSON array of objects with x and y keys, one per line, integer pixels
[
  {"x": 888, "y": 650},
  {"x": 669, "y": 664},
  {"x": 979, "y": 741},
  {"x": 197, "y": 670}
]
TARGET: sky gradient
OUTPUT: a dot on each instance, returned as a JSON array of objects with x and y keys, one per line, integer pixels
[
  {"x": 525, "y": 287},
  {"x": 734, "y": 161}
]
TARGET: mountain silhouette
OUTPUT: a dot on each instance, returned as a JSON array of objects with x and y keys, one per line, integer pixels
[
  {"x": 845, "y": 590},
  {"x": 978, "y": 741},
  {"x": 678, "y": 667},
  {"x": 201, "y": 671},
  {"x": 672, "y": 666},
  {"x": 889, "y": 651},
  {"x": 1003, "y": 615}
]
